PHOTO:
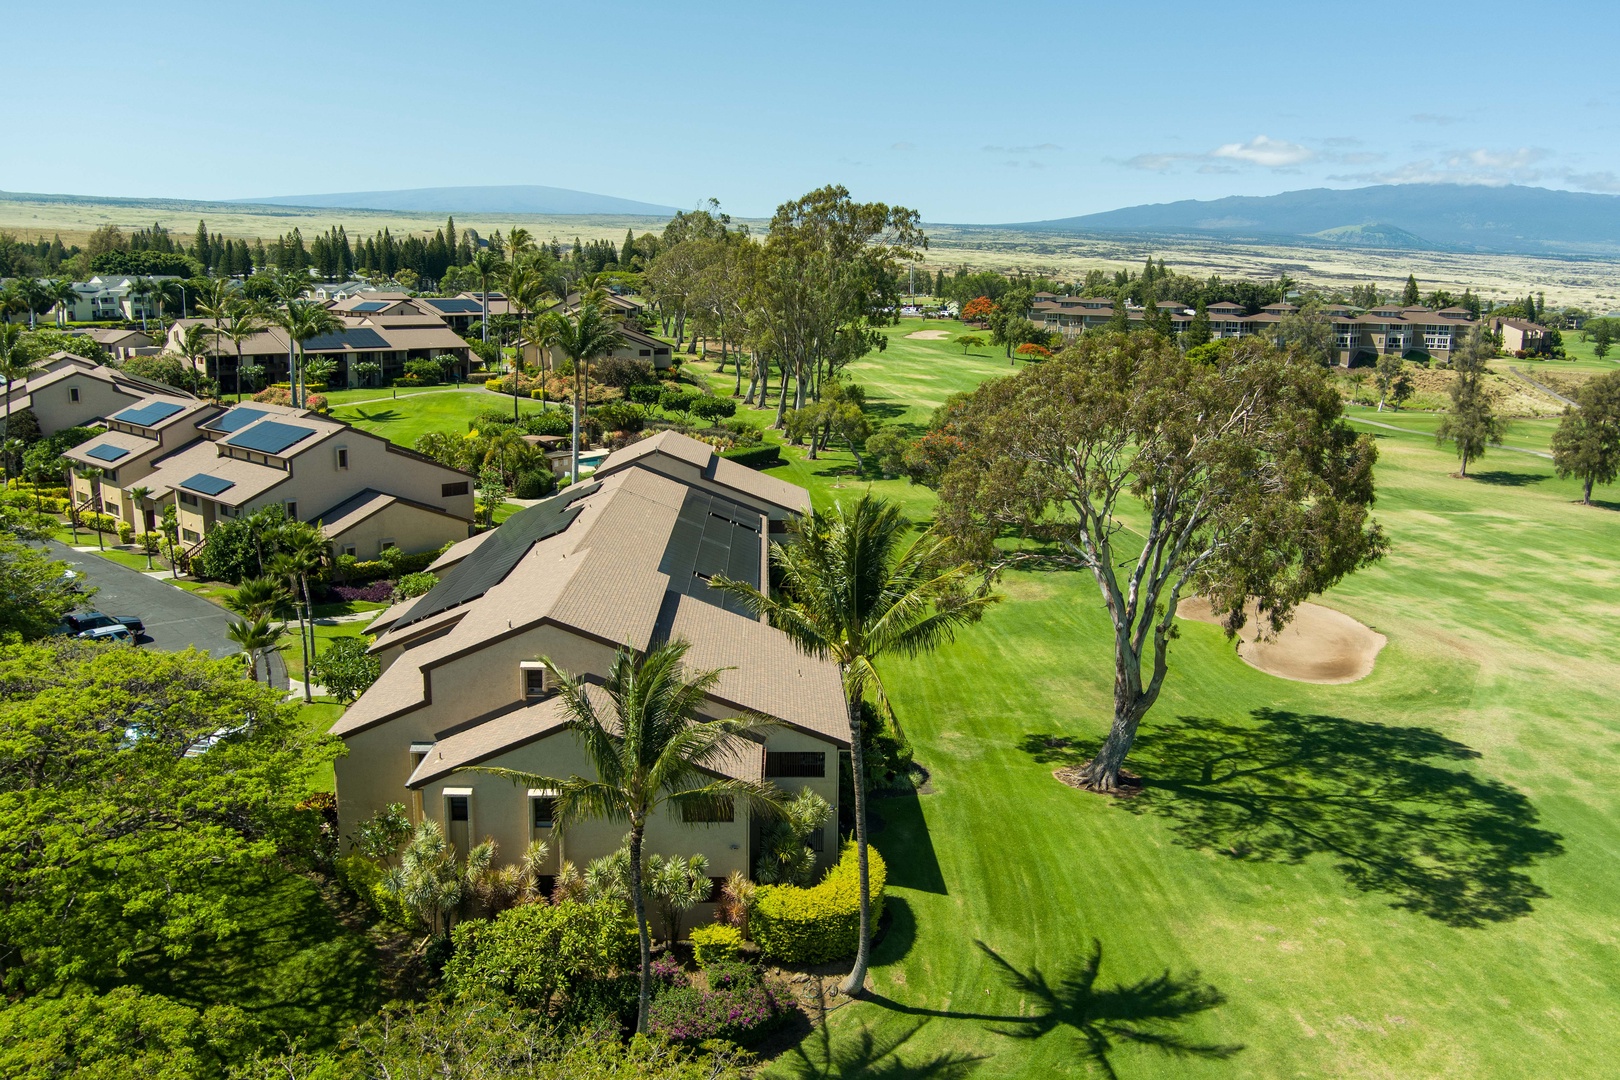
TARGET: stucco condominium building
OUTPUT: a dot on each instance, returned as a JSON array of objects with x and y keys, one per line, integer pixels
[
  {"x": 69, "y": 391},
  {"x": 1416, "y": 333},
  {"x": 623, "y": 559},
  {"x": 215, "y": 463}
]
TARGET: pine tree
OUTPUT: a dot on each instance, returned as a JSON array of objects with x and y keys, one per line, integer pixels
[
  {"x": 450, "y": 234},
  {"x": 1198, "y": 332},
  {"x": 1410, "y": 297},
  {"x": 204, "y": 253},
  {"x": 628, "y": 250}
]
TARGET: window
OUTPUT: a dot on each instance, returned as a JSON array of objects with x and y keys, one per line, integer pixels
[
  {"x": 349, "y": 550},
  {"x": 189, "y": 536},
  {"x": 717, "y": 889},
  {"x": 292, "y": 510},
  {"x": 795, "y": 763},
  {"x": 112, "y": 507},
  {"x": 188, "y": 500},
  {"x": 816, "y": 841},
  {"x": 383, "y": 545},
  {"x": 723, "y": 810},
  {"x": 457, "y": 807},
  {"x": 542, "y": 810},
  {"x": 110, "y": 474},
  {"x": 536, "y": 686},
  {"x": 458, "y": 488},
  {"x": 343, "y": 457},
  {"x": 73, "y": 394},
  {"x": 646, "y": 352}
]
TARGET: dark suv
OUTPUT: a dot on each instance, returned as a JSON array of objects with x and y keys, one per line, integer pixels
[{"x": 95, "y": 620}]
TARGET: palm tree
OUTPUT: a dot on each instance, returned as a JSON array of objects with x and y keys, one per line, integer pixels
[
  {"x": 429, "y": 880},
  {"x": 255, "y": 638},
  {"x": 303, "y": 320},
  {"x": 524, "y": 292},
  {"x": 304, "y": 552},
  {"x": 257, "y": 597},
  {"x": 62, "y": 294},
  {"x": 161, "y": 291},
  {"x": 487, "y": 265},
  {"x": 851, "y": 594},
  {"x": 651, "y": 751},
  {"x": 35, "y": 295},
  {"x": 194, "y": 344},
  {"x": 582, "y": 337},
  {"x": 16, "y": 362},
  {"x": 137, "y": 501},
  {"x": 242, "y": 320},
  {"x": 141, "y": 290}
]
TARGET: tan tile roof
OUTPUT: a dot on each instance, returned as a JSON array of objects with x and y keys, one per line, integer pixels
[
  {"x": 600, "y": 578},
  {"x": 722, "y": 471},
  {"x": 248, "y": 479},
  {"x": 135, "y": 444},
  {"x": 362, "y": 505}
]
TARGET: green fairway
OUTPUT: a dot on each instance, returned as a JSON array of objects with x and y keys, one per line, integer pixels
[
  {"x": 410, "y": 416},
  {"x": 1412, "y": 875}
]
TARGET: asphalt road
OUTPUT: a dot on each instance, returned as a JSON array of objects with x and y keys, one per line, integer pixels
[{"x": 174, "y": 618}]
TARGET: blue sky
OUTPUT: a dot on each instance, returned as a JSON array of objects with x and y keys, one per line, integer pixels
[{"x": 968, "y": 113}]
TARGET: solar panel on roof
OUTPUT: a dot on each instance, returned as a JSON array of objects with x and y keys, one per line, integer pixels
[
  {"x": 270, "y": 437},
  {"x": 493, "y": 559},
  {"x": 369, "y": 305},
  {"x": 457, "y": 306},
  {"x": 207, "y": 485},
  {"x": 712, "y": 537},
  {"x": 147, "y": 415},
  {"x": 105, "y": 452},
  {"x": 236, "y": 419},
  {"x": 359, "y": 337}
]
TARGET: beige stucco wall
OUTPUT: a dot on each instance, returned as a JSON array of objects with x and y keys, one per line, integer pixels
[
  {"x": 378, "y": 763},
  {"x": 409, "y": 528},
  {"x": 318, "y": 485},
  {"x": 55, "y": 408}
]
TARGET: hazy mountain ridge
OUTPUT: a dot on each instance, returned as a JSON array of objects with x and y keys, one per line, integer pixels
[
  {"x": 489, "y": 199},
  {"x": 1512, "y": 218}
]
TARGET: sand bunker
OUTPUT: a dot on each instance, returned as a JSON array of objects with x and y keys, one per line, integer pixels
[
  {"x": 1320, "y": 645},
  {"x": 929, "y": 335}
]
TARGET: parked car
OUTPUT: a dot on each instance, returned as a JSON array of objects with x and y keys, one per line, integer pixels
[
  {"x": 116, "y": 632},
  {"x": 95, "y": 620}
]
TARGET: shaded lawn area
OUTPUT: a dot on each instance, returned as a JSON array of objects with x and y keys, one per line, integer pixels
[{"x": 1405, "y": 876}]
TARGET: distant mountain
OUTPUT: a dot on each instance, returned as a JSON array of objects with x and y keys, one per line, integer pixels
[
  {"x": 1523, "y": 220},
  {"x": 511, "y": 199},
  {"x": 1374, "y": 236}
]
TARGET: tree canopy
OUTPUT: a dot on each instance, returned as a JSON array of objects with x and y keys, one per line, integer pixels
[{"x": 1251, "y": 487}]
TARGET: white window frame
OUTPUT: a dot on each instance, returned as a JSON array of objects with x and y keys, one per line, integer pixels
[
  {"x": 73, "y": 394},
  {"x": 340, "y": 456},
  {"x": 291, "y": 506},
  {"x": 526, "y": 666},
  {"x": 536, "y": 831}
]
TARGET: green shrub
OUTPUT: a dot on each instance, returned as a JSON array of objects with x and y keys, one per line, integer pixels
[
  {"x": 715, "y": 943},
  {"x": 821, "y": 923},
  {"x": 713, "y": 408},
  {"x": 756, "y": 457},
  {"x": 363, "y": 878},
  {"x": 426, "y": 371},
  {"x": 126, "y": 532},
  {"x": 549, "y": 422},
  {"x": 533, "y": 952},
  {"x": 674, "y": 400},
  {"x": 644, "y": 393},
  {"x": 414, "y": 585},
  {"x": 535, "y": 484},
  {"x": 620, "y": 416}
]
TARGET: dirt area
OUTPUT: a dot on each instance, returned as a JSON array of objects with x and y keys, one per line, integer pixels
[
  {"x": 1320, "y": 645},
  {"x": 929, "y": 335}
]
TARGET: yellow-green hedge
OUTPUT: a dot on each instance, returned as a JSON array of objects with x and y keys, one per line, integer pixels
[
  {"x": 715, "y": 943},
  {"x": 821, "y": 923}
]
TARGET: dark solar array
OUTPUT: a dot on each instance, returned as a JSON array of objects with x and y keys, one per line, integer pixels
[
  {"x": 147, "y": 415},
  {"x": 208, "y": 485},
  {"x": 235, "y": 419},
  {"x": 457, "y": 306},
  {"x": 359, "y": 337},
  {"x": 270, "y": 437},
  {"x": 104, "y": 452},
  {"x": 712, "y": 537},
  {"x": 492, "y": 560},
  {"x": 370, "y": 305}
]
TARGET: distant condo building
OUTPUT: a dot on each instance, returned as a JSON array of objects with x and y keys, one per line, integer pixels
[{"x": 1360, "y": 339}]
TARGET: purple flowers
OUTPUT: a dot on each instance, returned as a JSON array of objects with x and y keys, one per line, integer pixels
[
  {"x": 379, "y": 592},
  {"x": 740, "y": 1013}
]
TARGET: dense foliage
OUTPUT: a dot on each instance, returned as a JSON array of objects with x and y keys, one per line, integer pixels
[
  {"x": 133, "y": 785},
  {"x": 535, "y": 952},
  {"x": 821, "y": 923}
]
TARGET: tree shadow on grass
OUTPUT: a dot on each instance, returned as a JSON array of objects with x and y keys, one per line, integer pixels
[
  {"x": 909, "y": 848},
  {"x": 1503, "y": 478},
  {"x": 376, "y": 416},
  {"x": 1100, "y": 1018},
  {"x": 1381, "y": 801}
]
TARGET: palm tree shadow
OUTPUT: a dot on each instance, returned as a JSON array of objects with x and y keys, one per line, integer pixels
[
  {"x": 868, "y": 1054},
  {"x": 1378, "y": 799},
  {"x": 1101, "y": 1018}
]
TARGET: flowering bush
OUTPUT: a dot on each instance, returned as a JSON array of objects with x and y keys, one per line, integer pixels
[
  {"x": 378, "y": 592},
  {"x": 739, "y": 1013},
  {"x": 667, "y": 969}
]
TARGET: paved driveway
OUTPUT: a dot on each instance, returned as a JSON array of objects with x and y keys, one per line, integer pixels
[{"x": 174, "y": 618}]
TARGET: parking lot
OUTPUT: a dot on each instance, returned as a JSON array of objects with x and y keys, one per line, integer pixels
[{"x": 174, "y": 618}]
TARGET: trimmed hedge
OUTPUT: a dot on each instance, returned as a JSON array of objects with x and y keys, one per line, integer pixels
[
  {"x": 715, "y": 943},
  {"x": 755, "y": 457},
  {"x": 821, "y": 923}
]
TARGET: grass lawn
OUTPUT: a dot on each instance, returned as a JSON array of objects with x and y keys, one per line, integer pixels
[
  {"x": 324, "y": 636},
  {"x": 1407, "y": 876},
  {"x": 413, "y": 415}
]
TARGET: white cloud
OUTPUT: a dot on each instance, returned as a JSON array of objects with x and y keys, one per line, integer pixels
[
  {"x": 1606, "y": 182},
  {"x": 1266, "y": 152},
  {"x": 1491, "y": 168},
  {"x": 1155, "y": 162},
  {"x": 1442, "y": 119},
  {"x": 1036, "y": 149}
]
